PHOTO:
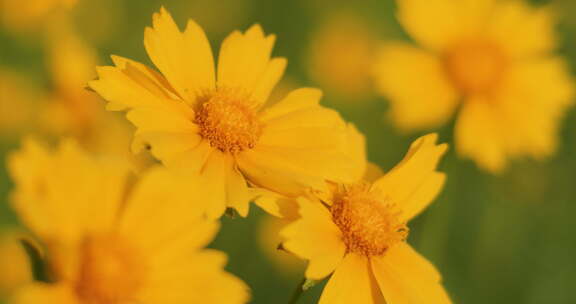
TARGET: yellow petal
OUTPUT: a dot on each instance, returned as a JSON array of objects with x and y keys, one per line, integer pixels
[
  {"x": 238, "y": 195},
  {"x": 167, "y": 146},
  {"x": 166, "y": 117},
  {"x": 316, "y": 238},
  {"x": 276, "y": 205},
  {"x": 414, "y": 81},
  {"x": 155, "y": 228},
  {"x": 523, "y": 30},
  {"x": 270, "y": 77},
  {"x": 405, "y": 277},
  {"x": 185, "y": 58},
  {"x": 479, "y": 135},
  {"x": 244, "y": 62},
  {"x": 130, "y": 84},
  {"x": 533, "y": 105},
  {"x": 302, "y": 144},
  {"x": 185, "y": 152},
  {"x": 296, "y": 100},
  {"x": 197, "y": 278},
  {"x": 351, "y": 283},
  {"x": 146, "y": 76},
  {"x": 414, "y": 182},
  {"x": 46, "y": 294},
  {"x": 213, "y": 180},
  {"x": 436, "y": 23},
  {"x": 48, "y": 203},
  {"x": 274, "y": 170}
]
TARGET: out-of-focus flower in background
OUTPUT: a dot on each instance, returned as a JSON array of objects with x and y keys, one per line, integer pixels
[
  {"x": 341, "y": 55},
  {"x": 18, "y": 105},
  {"x": 66, "y": 107},
  {"x": 69, "y": 108},
  {"x": 107, "y": 238},
  {"x": 15, "y": 267},
  {"x": 29, "y": 15},
  {"x": 493, "y": 62}
]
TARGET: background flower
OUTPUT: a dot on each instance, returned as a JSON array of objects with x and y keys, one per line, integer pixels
[
  {"x": 490, "y": 62},
  {"x": 108, "y": 240}
]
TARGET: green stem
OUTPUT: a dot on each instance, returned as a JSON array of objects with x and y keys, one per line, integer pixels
[{"x": 297, "y": 292}]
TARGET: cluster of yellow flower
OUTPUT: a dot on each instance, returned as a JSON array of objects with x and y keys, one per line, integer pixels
[{"x": 111, "y": 231}]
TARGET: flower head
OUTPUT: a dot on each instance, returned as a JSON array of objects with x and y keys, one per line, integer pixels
[
  {"x": 215, "y": 122},
  {"x": 106, "y": 238},
  {"x": 493, "y": 63},
  {"x": 358, "y": 233}
]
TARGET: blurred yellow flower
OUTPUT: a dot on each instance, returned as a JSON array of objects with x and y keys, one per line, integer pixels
[
  {"x": 70, "y": 109},
  {"x": 108, "y": 240},
  {"x": 358, "y": 233},
  {"x": 17, "y": 105},
  {"x": 202, "y": 120},
  {"x": 30, "y": 14},
  {"x": 341, "y": 55},
  {"x": 490, "y": 60},
  {"x": 15, "y": 268}
]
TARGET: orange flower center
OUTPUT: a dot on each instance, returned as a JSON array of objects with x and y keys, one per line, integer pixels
[
  {"x": 228, "y": 120},
  {"x": 111, "y": 271},
  {"x": 475, "y": 66},
  {"x": 369, "y": 225}
]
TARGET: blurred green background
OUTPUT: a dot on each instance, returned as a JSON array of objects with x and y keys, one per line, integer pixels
[{"x": 496, "y": 239}]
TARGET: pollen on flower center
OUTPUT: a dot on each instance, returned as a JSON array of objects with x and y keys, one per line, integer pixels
[
  {"x": 228, "y": 121},
  {"x": 111, "y": 271},
  {"x": 369, "y": 225},
  {"x": 475, "y": 66}
]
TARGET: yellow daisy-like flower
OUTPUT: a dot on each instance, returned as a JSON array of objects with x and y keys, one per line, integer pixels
[
  {"x": 213, "y": 121},
  {"x": 358, "y": 233},
  {"x": 108, "y": 240},
  {"x": 490, "y": 60}
]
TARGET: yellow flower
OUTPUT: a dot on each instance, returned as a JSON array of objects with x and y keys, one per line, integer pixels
[
  {"x": 107, "y": 238},
  {"x": 358, "y": 233},
  {"x": 199, "y": 119},
  {"x": 489, "y": 60},
  {"x": 341, "y": 55}
]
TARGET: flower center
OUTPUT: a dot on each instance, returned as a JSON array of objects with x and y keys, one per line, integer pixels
[
  {"x": 111, "y": 271},
  {"x": 369, "y": 226},
  {"x": 228, "y": 120},
  {"x": 475, "y": 66}
]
